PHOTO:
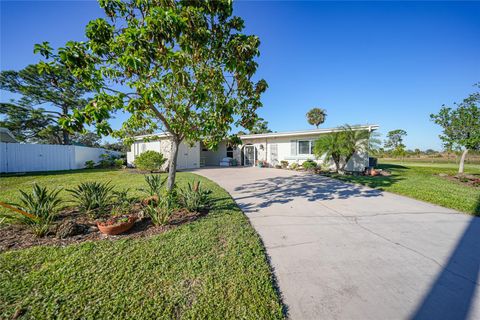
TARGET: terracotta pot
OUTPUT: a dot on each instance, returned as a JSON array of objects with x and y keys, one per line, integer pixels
[
  {"x": 374, "y": 173},
  {"x": 116, "y": 228}
]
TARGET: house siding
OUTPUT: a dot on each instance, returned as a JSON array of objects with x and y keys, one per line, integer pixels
[
  {"x": 286, "y": 148},
  {"x": 164, "y": 146}
]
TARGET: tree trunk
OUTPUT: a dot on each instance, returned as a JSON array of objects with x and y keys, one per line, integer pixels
[
  {"x": 65, "y": 134},
  {"x": 66, "y": 137},
  {"x": 337, "y": 163},
  {"x": 462, "y": 161},
  {"x": 172, "y": 168}
]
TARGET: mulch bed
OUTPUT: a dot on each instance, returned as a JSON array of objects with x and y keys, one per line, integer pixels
[
  {"x": 467, "y": 179},
  {"x": 14, "y": 237}
]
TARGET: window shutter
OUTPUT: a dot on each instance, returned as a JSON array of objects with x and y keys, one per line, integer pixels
[{"x": 293, "y": 147}]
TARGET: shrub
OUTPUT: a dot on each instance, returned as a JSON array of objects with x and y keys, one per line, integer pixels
[
  {"x": 106, "y": 160},
  {"x": 284, "y": 164},
  {"x": 118, "y": 163},
  {"x": 90, "y": 164},
  {"x": 294, "y": 166},
  {"x": 278, "y": 166},
  {"x": 155, "y": 184},
  {"x": 93, "y": 197},
  {"x": 150, "y": 161},
  {"x": 110, "y": 161},
  {"x": 193, "y": 197},
  {"x": 309, "y": 165},
  {"x": 161, "y": 211},
  {"x": 36, "y": 210}
]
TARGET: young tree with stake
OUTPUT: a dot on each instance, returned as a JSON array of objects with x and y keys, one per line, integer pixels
[
  {"x": 187, "y": 67},
  {"x": 461, "y": 126}
]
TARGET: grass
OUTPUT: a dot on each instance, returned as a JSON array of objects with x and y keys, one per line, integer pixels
[
  {"x": 422, "y": 181},
  {"x": 212, "y": 268},
  {"x": 470, "y": 160}
]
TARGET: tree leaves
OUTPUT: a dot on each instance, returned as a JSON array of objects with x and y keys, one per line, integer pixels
[
  {"x": 461, "y": 126},
  {"x": 48, "y": 92},
  {"x": 181, "y": 65},
  {"x": 316, "y": 116}
]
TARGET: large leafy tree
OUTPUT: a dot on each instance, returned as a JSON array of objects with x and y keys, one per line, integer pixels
[
  {"x": 28, "y": 124},
  {"x": 181, "y": 66},
  {"x": 394, "y": 143},
  {"x": 461, "y": 126},
  {"x": 341, "y": 145},
  {"x": 260, "y": 126},
  {"x": 316, "y": 116},
  {"x": 47, "y": 95}
]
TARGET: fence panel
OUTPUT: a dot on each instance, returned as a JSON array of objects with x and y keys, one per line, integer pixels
[{"x": 17, "y": 157}]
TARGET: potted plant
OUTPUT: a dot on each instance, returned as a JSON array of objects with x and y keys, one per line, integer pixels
[
  {"x": 262, "y": 163},
  {"x": 119, "y": 221},
  {"x": 116, "y": 224}
]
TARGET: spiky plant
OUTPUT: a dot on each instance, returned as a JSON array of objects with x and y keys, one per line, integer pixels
[
  {"x": 37, "y": 209},
  {"x": 161, "y": 211},
  {"x": 194, "y": 197},
  {"x": 93, "y": 197},
  {"x": 155, "y": 184}
]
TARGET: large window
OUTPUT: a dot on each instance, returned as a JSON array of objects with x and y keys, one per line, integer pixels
[{"x": 305, "y": 147}]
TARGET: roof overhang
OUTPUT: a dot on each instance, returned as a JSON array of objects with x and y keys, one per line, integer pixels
[
  {"x": 314, "y": 132},
  {"x": 302, "y": 133}
]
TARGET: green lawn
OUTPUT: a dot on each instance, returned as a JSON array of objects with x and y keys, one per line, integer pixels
[
  {"x": 421, "y": 181},
  {"x": 212, "y": 268}
]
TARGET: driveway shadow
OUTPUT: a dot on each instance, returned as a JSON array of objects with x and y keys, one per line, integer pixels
[
  {"x": 281, "y": 190},
  {"x": 452, "y": 294}
]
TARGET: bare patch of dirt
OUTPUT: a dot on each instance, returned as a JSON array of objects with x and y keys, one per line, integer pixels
[
  {"x": 467, "y": 179},
  {"x": 13, "y": 237}
]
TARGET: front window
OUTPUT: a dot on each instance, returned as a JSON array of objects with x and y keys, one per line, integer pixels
[
  {"x": 229, "y": 152},
  {"x": 305, "y": 147}
]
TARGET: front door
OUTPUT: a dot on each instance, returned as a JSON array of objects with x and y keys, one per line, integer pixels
[{"x": 249, "y": 156}]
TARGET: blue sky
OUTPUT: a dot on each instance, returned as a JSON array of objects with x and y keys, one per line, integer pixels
[{"x": 388, "y": 63}]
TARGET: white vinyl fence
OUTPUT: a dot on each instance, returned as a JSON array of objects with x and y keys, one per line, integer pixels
[{"x": 18, "y": 157}]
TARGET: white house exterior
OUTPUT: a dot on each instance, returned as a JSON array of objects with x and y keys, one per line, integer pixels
[{"x": 293, "y": 146}]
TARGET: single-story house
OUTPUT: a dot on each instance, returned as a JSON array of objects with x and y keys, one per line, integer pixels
[{"x": 293, "y": 146}]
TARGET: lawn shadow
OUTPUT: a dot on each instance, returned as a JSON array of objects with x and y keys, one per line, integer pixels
[
  {"x": 390, "y": 166},
  {"x": 283, "y": 189},
  {"x": 452, "y": 294},
  {"x": 53, "y": 173}
]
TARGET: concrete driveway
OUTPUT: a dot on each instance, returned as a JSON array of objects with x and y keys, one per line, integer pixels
[{"x": 341, "y": 251}]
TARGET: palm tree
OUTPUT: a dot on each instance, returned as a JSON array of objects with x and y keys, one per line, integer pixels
[
  {"x": 316, "y": 116},
  {"x": 341, "y": 145}
]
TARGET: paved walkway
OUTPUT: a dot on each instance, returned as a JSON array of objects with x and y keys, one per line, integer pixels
[{"x": 341, "y": 251}]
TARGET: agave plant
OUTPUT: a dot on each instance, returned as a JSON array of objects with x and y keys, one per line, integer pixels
[
  {"x": 194, "y": 197},
  {"x": 155, "y": 185},
  {"x": 37, "y": 209},
  {"x": 93, "y": 198},
  {"x": 161, "y": 211}
]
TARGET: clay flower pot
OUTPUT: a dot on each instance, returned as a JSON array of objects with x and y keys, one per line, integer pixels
[
  {"x": 374, "y": 173},
  {"x": 113, "y": 227}
]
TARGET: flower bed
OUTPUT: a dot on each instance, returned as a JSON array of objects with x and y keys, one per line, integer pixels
[{"x": 99, "y": 212}]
